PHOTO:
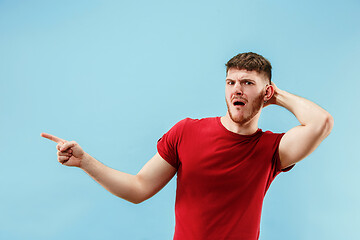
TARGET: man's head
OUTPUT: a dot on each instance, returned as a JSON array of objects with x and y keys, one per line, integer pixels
[
  {"x": 251, "y": 62},
  {"x": 248, "y": 86}
]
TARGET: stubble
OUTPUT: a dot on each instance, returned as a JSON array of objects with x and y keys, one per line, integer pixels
[{"x": 247, "y": 114}]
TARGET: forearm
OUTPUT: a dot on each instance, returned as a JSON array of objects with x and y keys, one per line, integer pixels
[
  {"x": 308, "y": 113},
  {"x": 121, "y": 184}
]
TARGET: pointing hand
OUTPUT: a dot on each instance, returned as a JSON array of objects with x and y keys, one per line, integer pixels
[{"x": 69, "y": 153}]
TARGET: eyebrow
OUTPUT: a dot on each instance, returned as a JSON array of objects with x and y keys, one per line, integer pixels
[{"x": 245, "y": 79}]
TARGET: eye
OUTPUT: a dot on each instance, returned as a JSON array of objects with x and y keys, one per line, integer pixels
[
  {"x": 248, "y": 83},
  {"x": 230, "y": 82}
]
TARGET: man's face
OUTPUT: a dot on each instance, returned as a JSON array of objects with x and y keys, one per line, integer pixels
[{"x": 244, "y": 94}]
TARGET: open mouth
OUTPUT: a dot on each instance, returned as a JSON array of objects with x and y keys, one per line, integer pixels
[{"x": 238, "y": 103}]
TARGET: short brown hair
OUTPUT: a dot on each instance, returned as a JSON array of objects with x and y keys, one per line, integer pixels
[{"x": 251, "y": 62}]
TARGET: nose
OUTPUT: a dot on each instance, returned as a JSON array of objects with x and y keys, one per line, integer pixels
[{"x": 238, "y": 89}]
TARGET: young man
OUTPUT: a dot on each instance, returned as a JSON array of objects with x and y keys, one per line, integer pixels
[{"x": 224, "y": 165}]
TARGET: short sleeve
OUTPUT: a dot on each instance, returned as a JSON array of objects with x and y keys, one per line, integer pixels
[
  {"x": 167, "y": 145},
  {"x": 276, "y": 157}
]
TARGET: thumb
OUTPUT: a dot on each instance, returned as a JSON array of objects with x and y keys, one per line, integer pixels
[{"x": 67, "y": 145}]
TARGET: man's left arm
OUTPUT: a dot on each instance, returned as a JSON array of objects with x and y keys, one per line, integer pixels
[{"x": 300, "y": 141}]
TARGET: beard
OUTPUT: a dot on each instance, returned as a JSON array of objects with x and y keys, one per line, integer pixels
[{"x": 248, "y": 111}]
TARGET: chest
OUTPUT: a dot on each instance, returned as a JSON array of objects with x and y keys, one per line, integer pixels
[{"x": 210, "y": 160}]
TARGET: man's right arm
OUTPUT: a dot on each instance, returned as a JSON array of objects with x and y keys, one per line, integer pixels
[{"x": 155, "y": 174}]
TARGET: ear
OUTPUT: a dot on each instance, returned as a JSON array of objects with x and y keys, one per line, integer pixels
[{"x": 269, "y": 92}]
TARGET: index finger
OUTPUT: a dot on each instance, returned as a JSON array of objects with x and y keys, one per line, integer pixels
[{"x": 52, "y": 138}]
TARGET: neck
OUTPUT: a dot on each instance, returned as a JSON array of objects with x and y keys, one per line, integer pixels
[{"x": 247, "y": 128}]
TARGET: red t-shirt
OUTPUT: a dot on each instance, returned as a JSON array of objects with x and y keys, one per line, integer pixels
[{"x": 222, "y": 178}]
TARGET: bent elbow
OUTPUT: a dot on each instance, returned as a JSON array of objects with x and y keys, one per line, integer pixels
[
  {"x": 136, "y": 201},
  {"x": 139, "y": 199},
  {"x": 323, "y": 126},
  {"x": 329, "y": 123},
  {"x": 138, "y": 193}
]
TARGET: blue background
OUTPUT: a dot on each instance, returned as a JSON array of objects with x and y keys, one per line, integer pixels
[{"x": 116, "y": 75}]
